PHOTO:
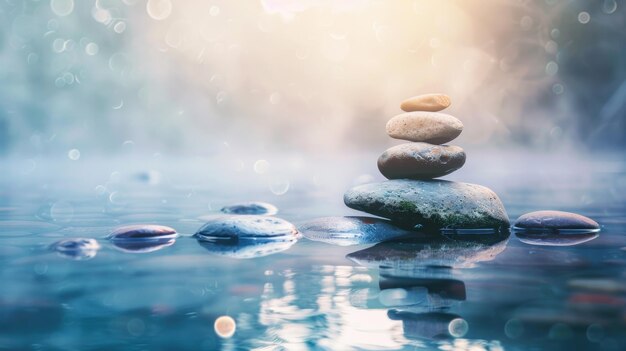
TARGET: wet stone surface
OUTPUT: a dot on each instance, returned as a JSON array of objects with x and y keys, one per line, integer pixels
[
  {"x": 432, "y": 203},
  {"x": 420, "y": 161},
  {"x": 246, "y": 226},
  {"x": 251, "y": 208},
  {"x": 555, "y": 221}
]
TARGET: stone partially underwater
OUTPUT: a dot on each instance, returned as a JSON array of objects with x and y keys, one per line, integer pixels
[
  {"x": 430, "y": 204},
  {"x": 351, "y": 230}
]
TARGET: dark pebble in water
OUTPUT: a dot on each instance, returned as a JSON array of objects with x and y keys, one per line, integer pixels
[
  {"x": 77, "y": 248},
  {"x": 555, "y": 221},
  {"x": 251, "y": 208},
  {"x": 346, "y": 231},
  {"x": 142, "y": 232},
  {"x": 143, "y": 245},
  {"x": 555, "y": 238},
  {"x": 143, "y": 238},
  {"x": 246, "y": 248},
  {"x": 246, "y": 226}
]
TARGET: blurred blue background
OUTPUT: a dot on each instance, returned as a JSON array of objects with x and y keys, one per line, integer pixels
[{"x": 187, "y": 78}]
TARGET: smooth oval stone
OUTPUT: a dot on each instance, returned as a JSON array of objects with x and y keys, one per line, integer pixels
[
  {"x": 142, "y": 232},
  {"x": 246, "y": 248},
  {"x": 246, "y": 226},
  {"x": 430, "y": 203},
  {"x": 77, "y": 248},
  {"x": 429, "y": 127},
  {"x": 555, "y": 238},
  {"x": 426, "y": 102},
  {"x": 346, "y": 231},
  {"x": 251, "y": 208},
  {"x": 420, "y": 161},
  {"x": 555, "y": 221}
]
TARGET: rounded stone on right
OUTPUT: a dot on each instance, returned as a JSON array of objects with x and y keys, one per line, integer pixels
[
  {"x": 557, "y": 221},
  {"x": 429, "y": 127},
  {"x": 426, "y": 102},
  {"x": 420, "y": 161}
]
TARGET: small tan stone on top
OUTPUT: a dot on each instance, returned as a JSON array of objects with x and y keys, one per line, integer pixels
[{"x": 426, "y": 102}]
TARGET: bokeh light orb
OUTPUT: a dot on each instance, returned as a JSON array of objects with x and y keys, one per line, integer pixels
[{"x": 225, "y": 326}]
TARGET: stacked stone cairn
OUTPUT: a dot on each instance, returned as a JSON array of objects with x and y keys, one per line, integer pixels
[{"x": 412, "y": 197}]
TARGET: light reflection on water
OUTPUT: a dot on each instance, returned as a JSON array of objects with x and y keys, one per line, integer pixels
[{"x": 449, "y": 294}]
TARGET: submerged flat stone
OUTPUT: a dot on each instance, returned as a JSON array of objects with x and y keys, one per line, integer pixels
[
  {"x": 426, "y": 102},
  {"x": 346, "y": 231},
  {"x": 76, "y": 248},
  {"x": 555, "y": 221},
  {"x": 246, "y": 226},
  {"x": 251, "y": 208},
  {"x": 430, "y": 203},
  {"x": 420, "y": 161},
  {"x": 429, "y": 127}
]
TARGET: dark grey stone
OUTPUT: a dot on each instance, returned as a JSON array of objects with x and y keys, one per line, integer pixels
[
  {"x": 420, "y": 161},
  {"x": 555, "y": 220}
]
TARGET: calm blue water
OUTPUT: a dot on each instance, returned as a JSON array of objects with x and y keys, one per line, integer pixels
[{"x": 506, "y": 295}]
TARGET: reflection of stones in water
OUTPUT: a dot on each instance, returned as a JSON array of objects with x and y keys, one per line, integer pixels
[
  {"x": 244, "y": 248},
  {"x": 251, "y": 208},
  {"x": 351, "y": 230},
  {"x": 143, "y": 245},
  {"x": 430, "y": 325},
  {"x": 482, "y": 236},
  {"x": 142, "y": 238},
  {"x": 247, "y": 226},
  {"x": 76, "y": 248},
  {"x": 143, "y": 231},
  {"x": 549, "y": 238},
  {"x": 425, "y": 252}
]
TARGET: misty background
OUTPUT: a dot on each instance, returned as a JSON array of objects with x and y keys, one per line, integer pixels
[{"x": 196, "y": 77}]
